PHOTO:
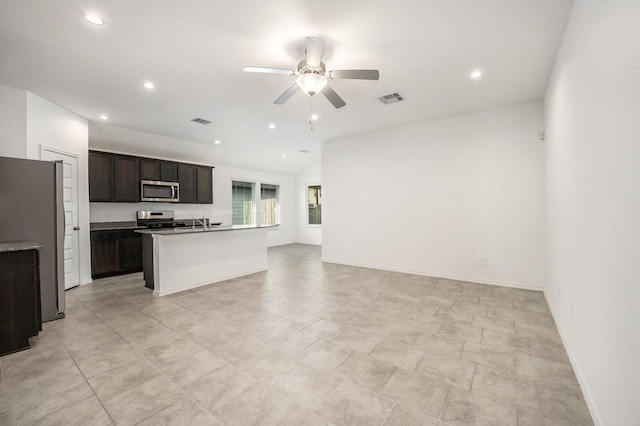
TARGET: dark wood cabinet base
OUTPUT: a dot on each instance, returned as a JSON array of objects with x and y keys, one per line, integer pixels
[
  {"x": 115, "y": 252},
  {"x": 20, "y": 316}
]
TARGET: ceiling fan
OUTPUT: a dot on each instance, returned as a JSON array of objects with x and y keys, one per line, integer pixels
[{"x": 313, "y": 75}]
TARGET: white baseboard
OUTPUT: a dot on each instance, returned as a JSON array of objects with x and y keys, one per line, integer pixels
[
  {"x": 205, "y": 283},
  {"x": 574, "y": 365},
  {"x": 436, "y": 275}
]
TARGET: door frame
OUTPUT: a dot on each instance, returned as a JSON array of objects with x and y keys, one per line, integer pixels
[{"x": 53, "y": 149}]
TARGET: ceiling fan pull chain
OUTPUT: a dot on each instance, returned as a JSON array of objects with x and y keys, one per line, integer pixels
[{"x": 310, "y": 112}]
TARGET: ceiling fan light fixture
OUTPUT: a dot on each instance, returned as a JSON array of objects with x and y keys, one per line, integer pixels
[
  {"x": 96, "y": 20},
  {"x": 311, "y": 83}
]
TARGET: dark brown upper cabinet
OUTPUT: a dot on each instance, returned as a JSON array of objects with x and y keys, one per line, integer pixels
[
  {"x": 101, "y": 187},
  {"x": 204, "y": 184},
  {"x": 152, "y": 169},
  {"x": 149, "y": 169},
  {"x": 187, "y": 178},
  {"x": 127, "y": 179},
  {"x": 116, "y": 177},
  {"x": 168, "y": 171}
]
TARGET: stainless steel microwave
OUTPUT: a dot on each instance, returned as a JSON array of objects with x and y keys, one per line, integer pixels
[{"x": 155, "y": 190}]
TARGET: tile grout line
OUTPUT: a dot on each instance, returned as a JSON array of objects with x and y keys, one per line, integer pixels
[
  {"x": 389, "y": 413},
  {"x": 444, "y": 402},
  {"x": 176, "y": 385},
  {"x": 149, "y": 362},
  {"x": 85, "y": 379}
]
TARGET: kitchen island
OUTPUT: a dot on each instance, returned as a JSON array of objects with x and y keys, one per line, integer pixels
[{"x": 180, "y": 259}]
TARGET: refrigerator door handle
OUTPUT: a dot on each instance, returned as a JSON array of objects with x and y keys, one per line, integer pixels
[{"x": 60, "y": 231}]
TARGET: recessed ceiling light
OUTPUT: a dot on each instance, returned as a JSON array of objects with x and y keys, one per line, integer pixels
[
  {"x": 96, "y": 20},
  {"x": 284, "y": 155},
  {"x": 149, "y": 85},
  {"x": 103, "y": 117},
  {"x": 272, "y": 126},
  {"x": 475, "y": 74},
  {"x": 314, "y": 116},
  {"x": 217, "y": 142}
]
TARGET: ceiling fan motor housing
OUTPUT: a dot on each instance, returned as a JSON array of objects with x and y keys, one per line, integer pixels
[
  {"x": 303, "y": 68},
  {"x": 311, "y": 79}
]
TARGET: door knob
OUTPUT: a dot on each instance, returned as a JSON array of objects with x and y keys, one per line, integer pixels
[{"x": 76, "y": 228}]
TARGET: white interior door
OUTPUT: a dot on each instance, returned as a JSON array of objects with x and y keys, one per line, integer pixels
[{"x": 70, "y": 199}]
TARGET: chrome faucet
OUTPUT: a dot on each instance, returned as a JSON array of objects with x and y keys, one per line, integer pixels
[{"x": 204, "y": 223}]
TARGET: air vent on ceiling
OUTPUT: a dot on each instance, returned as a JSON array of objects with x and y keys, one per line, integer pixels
[
  {"x": 201, "y": 121},
  {"x": 391, "y": 99}
]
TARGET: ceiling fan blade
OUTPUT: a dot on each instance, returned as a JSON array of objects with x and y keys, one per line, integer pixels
[
  {"x": 314, "y": 51},
  {"x": 268, "y": 70},
  {"x": 355, "y": 74},
  {"x": 333, "y": 97},
  {"x": 286, "y": 95}
]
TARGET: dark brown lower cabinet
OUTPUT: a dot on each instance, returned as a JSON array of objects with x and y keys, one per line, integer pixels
[
  {"x": 115, "y": 252},
  {"x": 130, "y": 247},
  {"x": 104, "y": 254},
  {"x": 20, "y": 315}
]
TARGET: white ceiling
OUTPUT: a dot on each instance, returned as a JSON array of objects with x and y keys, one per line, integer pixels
[{"x": 194, "y": 52}]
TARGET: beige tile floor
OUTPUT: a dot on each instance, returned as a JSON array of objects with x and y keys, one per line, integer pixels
[{"x": 305, "y": 343}]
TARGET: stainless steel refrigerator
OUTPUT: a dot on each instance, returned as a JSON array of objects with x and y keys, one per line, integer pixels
[{"x": 31, "y": 209}]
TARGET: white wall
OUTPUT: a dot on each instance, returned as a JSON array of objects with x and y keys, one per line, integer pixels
[
  {"x": 592, "y": 110},
  {"x": 27, "y": 122},
  {"x": 117, "y": 139},
  {"x": 13, "y": 122},
  {"x": 53, "y": 126},
  {"x": 305, "y": 233},
  {"x": 436, "y": 197}
]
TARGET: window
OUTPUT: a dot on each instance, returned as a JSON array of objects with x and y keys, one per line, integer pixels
[
  {"x": 314, "y": 204},
  {"x": 269, "y": 204},
  {"x": 242, "y": 203}
]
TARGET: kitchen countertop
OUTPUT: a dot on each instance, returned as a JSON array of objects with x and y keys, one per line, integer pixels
[
  {"x": 112, "y": 226},
  {"x": 19, "y": 246},
  {"x": 188, "y": 230}
]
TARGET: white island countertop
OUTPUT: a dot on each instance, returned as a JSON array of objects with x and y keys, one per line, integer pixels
[{"x": 200, "y": 229}]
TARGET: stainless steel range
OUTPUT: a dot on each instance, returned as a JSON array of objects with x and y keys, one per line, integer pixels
[{"x": 157, "y": 219}]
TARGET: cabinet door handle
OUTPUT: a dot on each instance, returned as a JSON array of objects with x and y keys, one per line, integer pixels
[{"x": 76, "y": 228}]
